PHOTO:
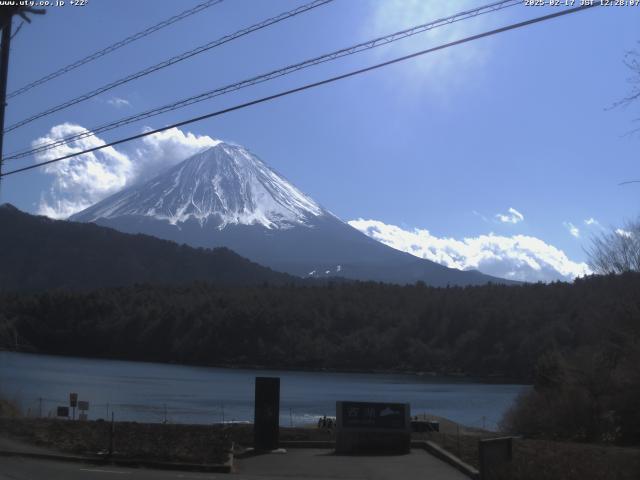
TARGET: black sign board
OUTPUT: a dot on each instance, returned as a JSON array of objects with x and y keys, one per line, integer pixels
[
  {"x": 387, "y": 416},
  {"x": 63, "y": 411},
  {"x": 266, "y": 426},
  {"x": 367, "y": 427},
  {"x": 494, "y": 454},
  {"x": 73, "y": 400}
]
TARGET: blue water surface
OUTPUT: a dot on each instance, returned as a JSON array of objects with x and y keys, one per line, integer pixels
[{"x": 153, "y": 392}]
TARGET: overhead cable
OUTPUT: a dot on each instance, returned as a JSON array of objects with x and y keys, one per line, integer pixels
[
  {"x": 309, "y": 86},
  {"x": 351, "y": 50},
  {"x": 168, "y": 62},
  {"x": 111, "y": 48}
]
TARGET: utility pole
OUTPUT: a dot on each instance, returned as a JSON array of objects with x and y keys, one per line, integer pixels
[
  {"x": 6, "y": 16},
  {"x": 4, "y": 72}
]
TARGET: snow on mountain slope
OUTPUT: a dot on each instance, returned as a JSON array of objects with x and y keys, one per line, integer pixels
[{"x": 225, "y": 184}]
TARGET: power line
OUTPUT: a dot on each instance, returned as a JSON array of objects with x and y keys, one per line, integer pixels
[
  {"x": 111, "y": 48},
  {"x": 376, "y": 42},
  {"x": 13, "y": 35},
  {"x": 311, "y": 85},
  {"x": 171, "y": 61},
  {"x": 274, "y": 74}
]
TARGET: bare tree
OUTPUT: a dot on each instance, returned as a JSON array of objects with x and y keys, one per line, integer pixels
[
  {"x": 632, "y": 61},
  {"x": 616, "y": 250}
]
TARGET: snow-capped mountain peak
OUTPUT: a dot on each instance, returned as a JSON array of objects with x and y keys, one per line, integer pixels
[
  {"x": 227, "y": 197},
  {"x": 225, "y": 184}
]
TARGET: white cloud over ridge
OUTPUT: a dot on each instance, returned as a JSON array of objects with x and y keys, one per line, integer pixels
[
  {"x": 512, "y": 216},
  {"x": 518, "y": 257},
  {"x": 81, "y": 181}
]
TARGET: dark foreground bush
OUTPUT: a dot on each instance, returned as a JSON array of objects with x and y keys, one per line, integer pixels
[
  {"x": 538, "y": 459},
  {"x": 550, "y": 460},
  {"x": 591, "y": 395}
]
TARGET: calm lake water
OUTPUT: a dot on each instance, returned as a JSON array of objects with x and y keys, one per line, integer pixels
[{"x": 149, "y": 391}]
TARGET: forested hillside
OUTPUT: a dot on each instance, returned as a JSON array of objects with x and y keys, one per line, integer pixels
[
  {"x": 39, "y": 253},
  {"x": 476, "y": 330}
]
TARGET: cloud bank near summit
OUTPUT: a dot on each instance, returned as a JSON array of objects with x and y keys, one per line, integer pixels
[
  {"x": 517, "y": 257},
  {"x": 81, "y": 181}
]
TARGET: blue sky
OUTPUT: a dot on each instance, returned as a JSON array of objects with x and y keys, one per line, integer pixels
[{"x": 445, "y": 143}]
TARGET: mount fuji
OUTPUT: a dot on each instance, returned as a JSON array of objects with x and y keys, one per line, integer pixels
[{"x": 226, "y": 196}]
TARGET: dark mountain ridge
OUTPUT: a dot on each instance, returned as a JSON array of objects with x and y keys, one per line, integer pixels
[{"x": 39, "y": 253}]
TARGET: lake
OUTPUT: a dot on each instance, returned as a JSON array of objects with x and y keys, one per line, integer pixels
[{"x": 153, "y": 392}]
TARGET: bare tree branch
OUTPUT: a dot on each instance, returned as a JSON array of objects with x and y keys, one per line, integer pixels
[
  {"x": 616, "y": 251},
  {"x": 632, "y": 62}
]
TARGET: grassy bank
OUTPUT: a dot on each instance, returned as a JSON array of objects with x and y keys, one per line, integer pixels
[
  {"x": 176, "y": 443},
  {"x": 549, "y": 460},
  {"x": 533, "y": 459},
  {"x": 156, "y": 441}
]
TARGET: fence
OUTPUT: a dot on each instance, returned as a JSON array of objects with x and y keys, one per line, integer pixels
[
  {"x": 452, "y": 436},
  {"x": 209, "y": 413}
]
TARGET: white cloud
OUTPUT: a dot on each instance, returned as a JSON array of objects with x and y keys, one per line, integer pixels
[
  {"x": 81, "y": 181},
  {"x": 118, "y": 102},
  {"x": 591, "y": 222},
  {"x": 512, "y": 216},
  {"x": 517, "y": 257},
  {"x": 573, "y": 230},
  {"x": 624, "y": 233}
]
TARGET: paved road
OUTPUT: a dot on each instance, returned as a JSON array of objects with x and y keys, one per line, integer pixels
[
  {"x": 312, "y": 464},
  {"x": 319, "y": 464},
  {"x": 18, "y": 468},
  {"x": 15, "y": 445}
]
